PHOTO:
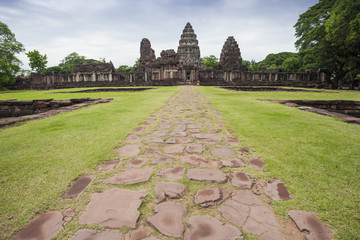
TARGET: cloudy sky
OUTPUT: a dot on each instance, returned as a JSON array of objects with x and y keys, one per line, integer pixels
[{"x": 113, "y": 29}]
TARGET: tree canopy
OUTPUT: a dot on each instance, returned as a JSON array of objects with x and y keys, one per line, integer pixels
[
  {"x": 129, "y": 69},
  {"x": 37, "y": 61},
  {"x": 70, "y": 61},
  {"x": 9, "y": 63},
  {"x": 210, "y": 61},
  {"x": 329, "y": 37},
  {"x": 289, "y": 61}
]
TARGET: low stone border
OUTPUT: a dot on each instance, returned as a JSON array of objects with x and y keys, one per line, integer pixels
[
  {"x": 330, "y": 108},
  {"x": 13, "y": 111},
  {"x": 109, "y": 90},
  {"x": 270, "y": 89}
]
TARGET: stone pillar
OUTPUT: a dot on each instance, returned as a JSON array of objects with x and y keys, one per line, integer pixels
[
  {"x": 93, "y": 76},
  {"x": 110, "y": 77},
  {"x": 77, "y": 79}
]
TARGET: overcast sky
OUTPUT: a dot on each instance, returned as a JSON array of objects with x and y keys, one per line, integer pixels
[{"x": 113, "y": 29}]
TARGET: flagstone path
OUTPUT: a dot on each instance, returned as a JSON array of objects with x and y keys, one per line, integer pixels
[{"x": 186, "y": 171}]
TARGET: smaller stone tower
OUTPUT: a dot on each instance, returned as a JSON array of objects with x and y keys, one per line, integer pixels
[
  {"x": 230, "y": 58},
  {"x": 147, "y": 54}
]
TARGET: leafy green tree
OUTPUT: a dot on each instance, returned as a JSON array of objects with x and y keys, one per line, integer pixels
[
  {"x": 128, "y": 69},
  {"x": 37, "y": 61},
  {"x": 292, "y": 64},
  {"x": 275, "y": 60},
  {"x": 252, "y": 65},
  {"x": 70, "y": 61},
  {"x": 125, "y": 68},
  {"x": 329, "y": 37},
  {"x": 9, "y": 63},
  {"x": 210, "y": 62}
]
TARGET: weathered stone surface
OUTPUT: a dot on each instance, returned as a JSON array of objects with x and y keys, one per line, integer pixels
[
  {"x": 246, "y": 210},
  {"x": 164, "y": 126},
  {"x": 128, "y": 150},
  {"x": 168, "y": 218},
  {"x": 194, "y": 148},
  {"x": 211, "y": 196},
  {"x": 232, "y": 141},
  {"x": 245, "y": 151},
  {"x": 138, "y": 130},
  {"x": 180, "y": 128},
  {"x": 113, "y": 208},
  {"x": 90, "y": 234},
  {"x": 276, "y": 190},
  {"x": 223, "y": 152},
  {"x": 132, "y": 138},
  {"x": 176, "y": 148},
  {"x": 170, "y": 189},
  {"x": 185, "y": 140},
  {"x": 234, "y": 163},
  {"x": 208, "y": 137},
  {"x": 193, "y": 130},
  {"x": 178, "y": 134},
  {"x": 195, "y": 159},
  {"x": 308, "y": 221},
  {"x": 256, "y": 163},
  {"x": 79, "y": 186},
  {"x": 171, "y": 141},
  {"x": 130, "y": 176},
  {"x": 160, "y": 133},
  {"x": 147, "y": 54},
  {"x": 206, "y": 175},
  {"x": 241, "y": 180},
  {"x": 135, "y": 162},
  {"x": 159, "y": 159},
  {"x": 139, "y": 234},
  {"x": 208, "y": 228},
  {"x": 202, "y": 197},
  {"x": 230, "y": 57},
  {"x": 109, "y": 165},
  {"x": 172, "y": 173},
  {"x": 195, "y": 125},
  {"x": 41, "y": 227},
  {"x": 154, "y": 140}
]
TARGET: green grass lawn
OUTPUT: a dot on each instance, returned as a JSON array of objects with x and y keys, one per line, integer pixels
[
  {"x": 317, "y": 157},
  {"x": 41, "y": 158}
]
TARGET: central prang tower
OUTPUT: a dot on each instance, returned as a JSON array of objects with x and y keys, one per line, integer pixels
[{"x": 189, "y": 54}]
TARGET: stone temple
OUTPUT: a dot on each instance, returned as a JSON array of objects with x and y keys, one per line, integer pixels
[{"x": 180, "y": 67}]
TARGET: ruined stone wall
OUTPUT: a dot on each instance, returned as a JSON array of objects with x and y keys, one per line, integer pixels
[{"x": 303, "y": 79}]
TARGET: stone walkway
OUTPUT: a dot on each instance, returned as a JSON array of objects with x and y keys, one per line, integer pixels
[{"x": 190, "y": 172}]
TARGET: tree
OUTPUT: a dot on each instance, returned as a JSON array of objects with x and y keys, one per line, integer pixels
[
  {"x": 252, "y": 65},
  {"x": 128, "y": 69},
  {"x": 70, "y": 61},
  {"x": 275, "y": 60},
  {"x": 329, "y": 37},
  {"x": 37, "y": 61},
  {"x": 9, "y": 63},
  {"x": 210, "y": 62}
]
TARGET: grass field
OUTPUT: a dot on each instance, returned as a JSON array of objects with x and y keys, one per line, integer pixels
[
  {"x": 317, "y": 157},
  {"x": 41, "y": 158}
]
